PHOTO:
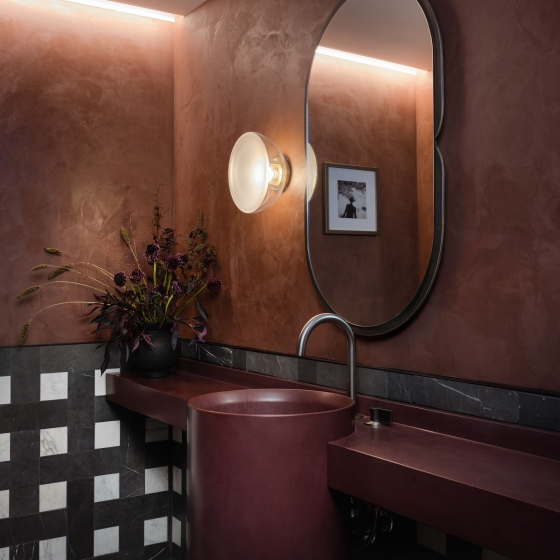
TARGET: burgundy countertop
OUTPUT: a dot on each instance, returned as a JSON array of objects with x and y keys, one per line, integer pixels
[{"x": 482, "y": 486}]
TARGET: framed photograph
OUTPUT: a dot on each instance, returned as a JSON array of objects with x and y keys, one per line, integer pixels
[{"x": 350, "y": 199}]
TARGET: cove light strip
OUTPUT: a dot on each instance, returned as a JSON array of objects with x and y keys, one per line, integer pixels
[
  {"x": 366, "y": 60},
  {"x": 127, "y": 9}
]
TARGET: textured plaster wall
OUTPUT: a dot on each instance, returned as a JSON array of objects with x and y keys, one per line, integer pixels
[
  {"x": 86, "y": 133},
  {"x": 493, "y": 313}
]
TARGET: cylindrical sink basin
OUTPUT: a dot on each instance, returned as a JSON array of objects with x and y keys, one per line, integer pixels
[{"x": 257, "y": 468}]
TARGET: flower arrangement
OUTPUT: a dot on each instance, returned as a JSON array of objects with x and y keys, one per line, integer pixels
[{"x": 158, "y": 288}]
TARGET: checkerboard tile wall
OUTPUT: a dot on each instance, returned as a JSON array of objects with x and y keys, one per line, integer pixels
[{"x": 80, "y": 478}]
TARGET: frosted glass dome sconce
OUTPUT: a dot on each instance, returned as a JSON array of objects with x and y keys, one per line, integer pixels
[
  {"x": 258, "y": 172},
  {"x": 311, "y": 171}
]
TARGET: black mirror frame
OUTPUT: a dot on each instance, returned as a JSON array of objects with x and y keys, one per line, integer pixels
[{"x": 439, "y": 182}]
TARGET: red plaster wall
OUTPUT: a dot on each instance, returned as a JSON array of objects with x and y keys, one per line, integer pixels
[
  {"x": 86, "y": 133},
  {"x": 366, "y": 116},
  {"x": 494, "y": 311}
]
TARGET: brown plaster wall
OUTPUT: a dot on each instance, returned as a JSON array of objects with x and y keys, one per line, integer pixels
[
  {"x": 360, "y": 115},
  {"x": 493, "y": 313},
  {"x": 86, "y": 133}
]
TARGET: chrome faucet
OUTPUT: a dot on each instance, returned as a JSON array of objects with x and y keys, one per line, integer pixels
[{"x": 351, "y": 346}]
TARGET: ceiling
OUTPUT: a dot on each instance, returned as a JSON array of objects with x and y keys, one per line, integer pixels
[
  {"x": 391, "y": 30},
  {"x": 177, "y": 7}
]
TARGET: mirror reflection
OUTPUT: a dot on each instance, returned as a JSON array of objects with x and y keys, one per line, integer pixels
[{"x": 371, "y": 126}]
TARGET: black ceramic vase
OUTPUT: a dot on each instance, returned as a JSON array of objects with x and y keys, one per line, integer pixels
[{"x": 155, "y": 361}]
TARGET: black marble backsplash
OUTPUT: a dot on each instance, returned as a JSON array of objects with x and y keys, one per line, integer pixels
[{"x": 495, "y": 403}]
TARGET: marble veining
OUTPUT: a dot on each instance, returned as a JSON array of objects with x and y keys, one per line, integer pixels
[
  {"x": 284, "y": 367},
  {"x": 400, "y": 387}
]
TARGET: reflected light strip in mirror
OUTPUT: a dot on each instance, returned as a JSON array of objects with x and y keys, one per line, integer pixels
[
  {"x": 127, "y": 9},
  {"x": 366, "y": 60}
]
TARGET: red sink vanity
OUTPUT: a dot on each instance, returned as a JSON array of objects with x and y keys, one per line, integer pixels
[{"x": 490, "y": 483}]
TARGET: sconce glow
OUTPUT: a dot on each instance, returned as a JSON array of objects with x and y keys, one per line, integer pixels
[
  {"x": 366, "y": 60},
  {"x": 127, "y": 9},
  {"x": 258, "y": 172},
  {"x": 311, "y": 171}
]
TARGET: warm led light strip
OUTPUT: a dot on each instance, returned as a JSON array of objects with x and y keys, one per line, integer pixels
[
  {"x": 125, "y": 8},
  {"x": 366, "y": 60}
]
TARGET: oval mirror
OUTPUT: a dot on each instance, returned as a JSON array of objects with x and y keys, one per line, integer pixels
[{"x": 374, "y": 222}]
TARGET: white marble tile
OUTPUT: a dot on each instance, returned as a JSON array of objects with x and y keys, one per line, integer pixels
[
  {"x": 177, "y": 434},
  {"x": 155, "y": 531},
  {"x": 4, "y": 504},
  {"x": 107, "y": 434},
  {"x": 177, "y": 486},
  {"x": 175, "y": 531},
  {"x": 5, "y": 389},
  {"x": 5, "y": 553},
  {"x": 157, "y": 480},
  {"x": 101, "y": 381},
  {"x": 53, "y": 549},
  {"x": 105, "y": 541},
  {"x": 4, "y": 447},
  {"x": 156, "y": 430},
  {"x": 54, "y": 441},
  {"x": 106, "y": 487},
  {"x": 54, "y": 386},
  {"x": 52, "y": 496}
]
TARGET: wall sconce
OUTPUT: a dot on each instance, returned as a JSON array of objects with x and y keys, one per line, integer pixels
[
  {"x": 258, "y": 172},
  {"x": 311, "y": 171}
]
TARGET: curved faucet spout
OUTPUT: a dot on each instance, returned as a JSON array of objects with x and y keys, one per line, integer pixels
[{"x": 350, "y": 340}]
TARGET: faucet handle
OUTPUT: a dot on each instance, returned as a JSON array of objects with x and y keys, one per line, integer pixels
[{"x": 380, "y": 417}]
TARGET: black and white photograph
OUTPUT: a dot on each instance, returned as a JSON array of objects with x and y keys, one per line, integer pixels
[{"x": 350, "y": 199}]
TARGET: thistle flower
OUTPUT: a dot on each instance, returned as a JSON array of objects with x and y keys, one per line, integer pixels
[
  {"x": 39, "y": 267},
  {"x": 178, "y": 288},
  {"x": 213, "y": 285},
  {"x": 125, "y": 237},
  {"x": 24, "y": 331},
  {"x": 172, "y": 263},
  {"x": 151, "y": 254},
  {"x": 28, "y": 291},
  {"x": 136, "y": 276},
  {"x": 183, "y": 260},
  {"x": 58, "y": 271},
  {"x": 53, "y": 251},
  {"x": 119, "y": 279}
]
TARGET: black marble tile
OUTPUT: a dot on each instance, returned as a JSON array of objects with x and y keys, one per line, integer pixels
[
  {"x": 176, "y": 552},
  {"x": 284, "y": 367},
  {"x": 307, "y": 371},
  {"x": 53, "y": 468},
  {"x": 539, "y": 411},
  {"x": 211, "y": 354},
  {"x": 24, "y": 500},
  {"x": 332, "y": 375},
  {"x": 84, "y": 464},
  {"x": 74, "y": 357},
  {"x": 81, "y": 439},
  {"x": 158, "y": 454},
  {"x": 372, "y": 382},
  {"x": 114, "y": 556},
  {"x": 6, "y": 538},
  {"x": 239, "y": 359},
  {"x": 5, "y": 475},
  {"x": 25, "y": 375},
  {"x": 106, "y": 514},
  {"x": 24, "y": 457},
  {"x": 106, "y": 411},
  {"x": 400, "y": 387},
  {"x": 5, "y": 361},
  {"x": 27, "y": 551},
  {"x": 458, "y": 549},
  {"x": 80, "y": 519},
  {"x": 10, "y": 418},
  {"x": 27, "y": 528},
  {"x": 81, "y": 390},
  {"x": 55, "y": 523},
  {"x": 466, "y": 398},
  {"x": 51, "y": 414},
  {"x": 132, "y": 458},
  {"x": 160, "y": 551}
]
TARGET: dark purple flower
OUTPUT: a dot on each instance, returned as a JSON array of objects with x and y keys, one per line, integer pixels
[
  {"x": 178, "y": 288},
  {"x": 119, "y": 279},
  {"x": 208, "y": 258},
  {"x": 151, "y": 254},
  {"x": 172, "y": 263},
  {"x": 183, "y": 260},
  {"x": 136, "y": 276},
  {"x": 213, "y": 285}
]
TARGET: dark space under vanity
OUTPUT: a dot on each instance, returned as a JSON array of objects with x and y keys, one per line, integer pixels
[{"x": 490, "y": 483}]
